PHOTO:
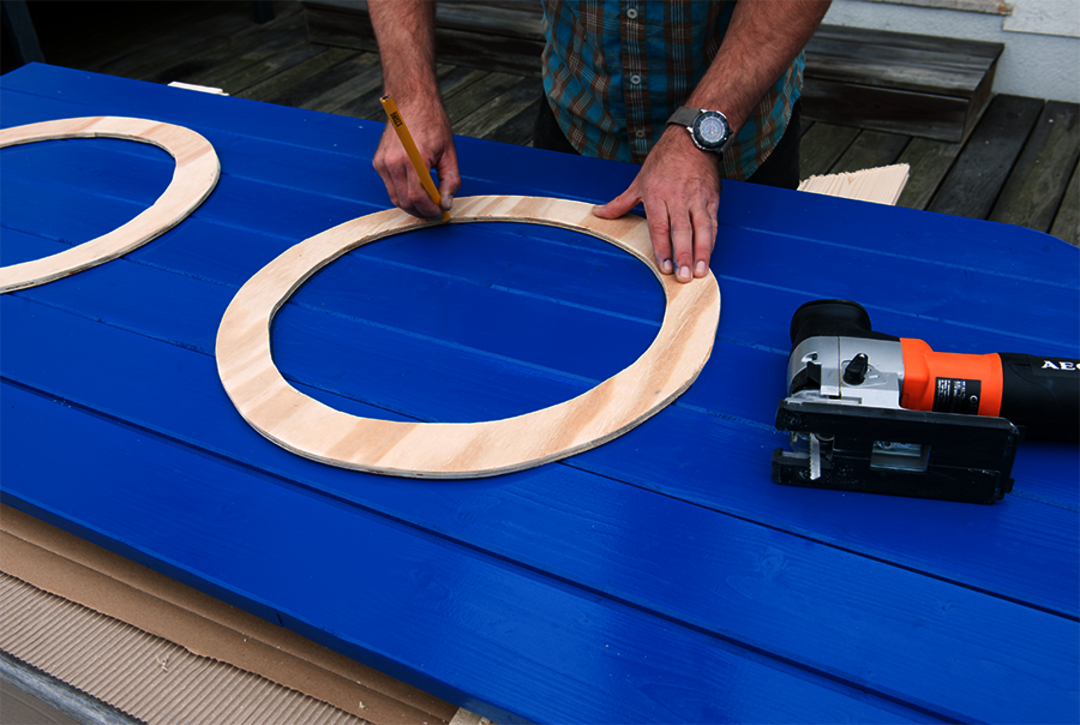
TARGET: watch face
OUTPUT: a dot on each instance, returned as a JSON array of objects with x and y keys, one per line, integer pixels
[{"x": 711, "y": 131}]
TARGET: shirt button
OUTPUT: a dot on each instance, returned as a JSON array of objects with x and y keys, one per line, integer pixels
[
  {"x": 631, "y": 13},
  {"x": 635, "y": 79},
  {"x": 640, "y": 133}
]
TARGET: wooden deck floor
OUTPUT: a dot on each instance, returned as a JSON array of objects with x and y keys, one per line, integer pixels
[{"x": 1019, "y": 166}]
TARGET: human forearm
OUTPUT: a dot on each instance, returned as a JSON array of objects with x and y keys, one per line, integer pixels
[
  {"x": 679, "y": 184},
  {"x": 405, "y": 32},
  {"x": 763, "y": 38}
]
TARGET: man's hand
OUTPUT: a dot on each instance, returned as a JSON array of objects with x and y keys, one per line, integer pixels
[
  {"x": 430, "y": 129},
  {"x": 679, "y": 184},
  {"x": 405, "y": 31}
]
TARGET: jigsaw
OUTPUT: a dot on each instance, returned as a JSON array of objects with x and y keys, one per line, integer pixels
[{"x": 872, "y": 412}]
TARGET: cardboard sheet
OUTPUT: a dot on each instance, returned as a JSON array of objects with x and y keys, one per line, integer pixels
[{"x": 71, "y": 606}]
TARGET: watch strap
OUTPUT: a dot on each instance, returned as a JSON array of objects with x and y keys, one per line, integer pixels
[{"x": 685, "y": 116}]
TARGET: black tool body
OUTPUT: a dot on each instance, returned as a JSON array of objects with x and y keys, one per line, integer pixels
[{"x": 873, "y": 412}]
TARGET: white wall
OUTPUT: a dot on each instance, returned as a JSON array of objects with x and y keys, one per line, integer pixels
[{"x": 1041, "y": 37}]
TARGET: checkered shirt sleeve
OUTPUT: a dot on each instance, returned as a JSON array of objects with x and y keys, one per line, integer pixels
[{"x": 614, "y": 70}]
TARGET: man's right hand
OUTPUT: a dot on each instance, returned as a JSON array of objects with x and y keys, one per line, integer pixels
[
  {"x": 430, "y": 129},
  {"x": 405, "y": 31}
]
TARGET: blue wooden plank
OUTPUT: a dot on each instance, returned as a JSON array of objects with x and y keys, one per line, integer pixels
[
  {"x": 774, "y": 326},
  {"x": 1020, "y": 550},
  {"x": 738, "y": 243},
  {"x": 600, "y": 546},
  {"x": 704, "y": 491},
  {"x": 36, "y": 211},
  {"x": 1003, "y": 286},
  {"x": 368, "y": 587}
]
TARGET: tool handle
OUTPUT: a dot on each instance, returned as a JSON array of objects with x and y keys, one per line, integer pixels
[
  {"x": 832, "y": 318},
  {"x": 1041, "y": 394}
]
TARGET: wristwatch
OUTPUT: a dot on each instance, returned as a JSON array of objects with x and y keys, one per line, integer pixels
[{"x": 709, "y": 129}]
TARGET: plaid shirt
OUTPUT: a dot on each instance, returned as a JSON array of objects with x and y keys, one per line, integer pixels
[{"x": 615, "y": 70}]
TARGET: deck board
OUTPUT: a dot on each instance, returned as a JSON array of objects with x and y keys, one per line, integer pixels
[
  {"x": 974, "y": 182},
  {"x": 822, "y": 145},
  {"x": 930, "y": 161},
  {"x": 1037, "y": 183},
  {"x": 870, "y": 150}
]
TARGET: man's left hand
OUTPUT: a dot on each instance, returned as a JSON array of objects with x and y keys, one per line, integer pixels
[{"x": 679, "y": 184}]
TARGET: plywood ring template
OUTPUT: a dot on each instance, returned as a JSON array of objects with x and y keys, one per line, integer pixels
[
  {"x": 196, "y": 173},
  {"x": 314, "y": 430}
]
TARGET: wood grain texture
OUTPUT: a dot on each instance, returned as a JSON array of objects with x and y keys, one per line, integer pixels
[
  {"x": 196, "y": 173},
  {"x": 929, "y": 115},
  {"x": 822, "y": 145},
  {"x": 1037, "y": 183},
  {"x": 976, "y": 179},
  {"x": 312, "y": 429},
  {"x": 1067, "y": 222},
  {"x": 871, "y": 150},
  {"x": 881, "y": 185},
  {"x": 929, "y": 160}
]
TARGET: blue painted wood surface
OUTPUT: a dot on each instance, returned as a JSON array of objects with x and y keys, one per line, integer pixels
[{"x": 659, "y": 578}]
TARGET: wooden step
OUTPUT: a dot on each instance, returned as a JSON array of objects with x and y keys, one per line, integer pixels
[{"x": 917, "y": 85}]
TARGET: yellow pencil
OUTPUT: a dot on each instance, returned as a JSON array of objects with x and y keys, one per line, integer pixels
[{"x": 414, "y": 154}]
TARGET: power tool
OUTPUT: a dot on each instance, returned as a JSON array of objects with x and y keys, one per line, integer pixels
[{"x": 875, "y": 413}]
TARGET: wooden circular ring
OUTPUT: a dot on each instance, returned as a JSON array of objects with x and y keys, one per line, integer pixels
[
  {"x": 314, "y": 430},
  {"x": 196, "y": 173}
]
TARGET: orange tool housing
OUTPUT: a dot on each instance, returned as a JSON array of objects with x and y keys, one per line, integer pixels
[{"x": 924, "y": 370}]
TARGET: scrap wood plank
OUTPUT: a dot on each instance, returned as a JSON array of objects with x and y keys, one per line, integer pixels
[
  {"x": 881, "y": 185},
  {"x": 1037, "y": 183}
]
